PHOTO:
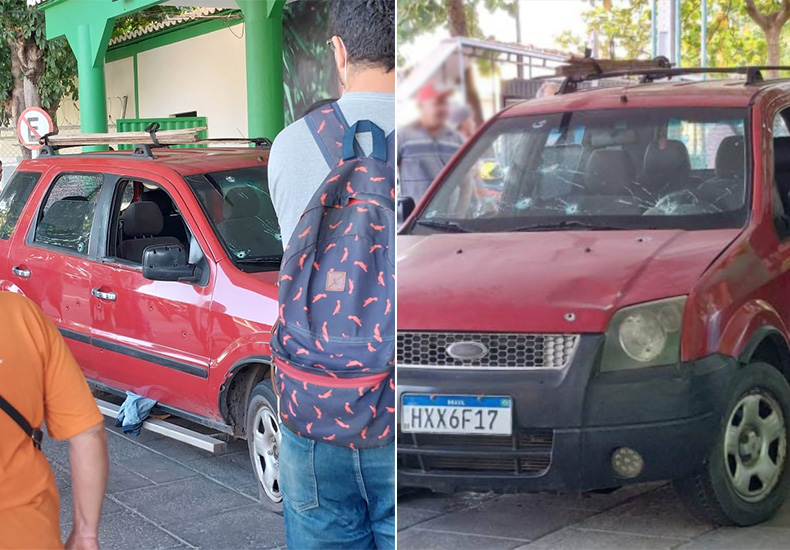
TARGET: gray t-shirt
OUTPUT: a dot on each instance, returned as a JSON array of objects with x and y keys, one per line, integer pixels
[
  {"x": 422, "y": 156},
  {"x": 296, "y": 166}
]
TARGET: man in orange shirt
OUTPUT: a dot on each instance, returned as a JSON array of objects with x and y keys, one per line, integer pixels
[{"x": 42, "y": 382}]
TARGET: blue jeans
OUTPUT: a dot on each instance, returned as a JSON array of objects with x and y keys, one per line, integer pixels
[{"x": 337, "y": 497}]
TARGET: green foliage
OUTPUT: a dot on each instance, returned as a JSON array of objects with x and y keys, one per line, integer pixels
[
  {"x": 142, "y": 19},
  {"x": 622, "y": 27},
  {"x": 733, "y": 37},
  {"x": 417, "y": 17},
  {"x": 308, "y": 66}
]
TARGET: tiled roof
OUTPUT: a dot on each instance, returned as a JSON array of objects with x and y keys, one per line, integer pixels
[{"x": 172, "y": 21}]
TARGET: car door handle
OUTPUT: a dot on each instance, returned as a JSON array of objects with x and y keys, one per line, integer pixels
[
  {"x": 21, "y": 272},
  {"x": 102, "y": 295}
]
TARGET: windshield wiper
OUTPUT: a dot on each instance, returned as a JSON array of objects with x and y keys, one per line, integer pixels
[
  {"x": 255, "y": 260},
  {"x": 446, "y": 225},
  {"x": 569, "y": 224}
]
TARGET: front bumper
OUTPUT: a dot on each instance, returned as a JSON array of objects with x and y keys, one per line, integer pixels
[{"x": 567, "y": 424}]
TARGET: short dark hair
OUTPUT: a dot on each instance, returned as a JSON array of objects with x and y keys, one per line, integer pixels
[{"x": 367, "y": 28}]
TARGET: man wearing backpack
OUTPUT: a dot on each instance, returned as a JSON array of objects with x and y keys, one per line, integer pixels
[
  {"x": 40, "y": 381},
  {"x": 334, "y": 344}
]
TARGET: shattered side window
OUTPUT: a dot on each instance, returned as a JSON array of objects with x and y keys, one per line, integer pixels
[{"x": 618, "y": 168}]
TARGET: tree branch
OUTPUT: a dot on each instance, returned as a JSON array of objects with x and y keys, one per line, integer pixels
[
  {"x": 784, "y": 14},
  {"x": 759, "y": 18}
]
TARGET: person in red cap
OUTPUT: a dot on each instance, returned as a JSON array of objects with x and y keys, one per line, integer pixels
[{"x": 427, "y": 144}]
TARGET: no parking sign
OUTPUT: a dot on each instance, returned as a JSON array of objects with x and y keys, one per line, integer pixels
[{"x": 33, "y": 123}]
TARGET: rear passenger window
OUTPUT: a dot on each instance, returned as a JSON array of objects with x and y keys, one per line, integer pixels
[
  {"x": 67, "y": 216},
  {"x": 13, "y": 199}
]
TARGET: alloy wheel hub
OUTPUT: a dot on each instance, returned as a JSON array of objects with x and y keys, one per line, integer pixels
[
  {"x": 755, "y": 443},
  {"x": 266, "y": 440}
]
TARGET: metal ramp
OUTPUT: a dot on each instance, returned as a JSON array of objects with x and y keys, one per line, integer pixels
[{"x": 170, "y": 430}]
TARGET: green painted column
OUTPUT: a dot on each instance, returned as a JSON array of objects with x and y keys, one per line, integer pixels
[
  {"x": 92, "y": 86},
  {"x": 87, "y": 25},
  {"x": 263, "y": 30}
]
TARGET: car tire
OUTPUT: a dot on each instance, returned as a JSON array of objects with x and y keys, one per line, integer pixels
[
  {"x": 745, "y": 480},
  {"x": 263, "y": 442}
]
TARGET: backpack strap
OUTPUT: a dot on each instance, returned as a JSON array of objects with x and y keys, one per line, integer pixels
[
  {"x": 328, "y": 126},
  {"x": 35, "y": 434},
  {"x": 379, "y": 140},
  {"x": 391, "y": 149}
]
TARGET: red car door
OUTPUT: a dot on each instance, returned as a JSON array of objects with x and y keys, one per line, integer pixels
[
  {"x": 13, "y": 199},
  {"x": 153, "y": 334},
  {"x": 51, "y": 262}
]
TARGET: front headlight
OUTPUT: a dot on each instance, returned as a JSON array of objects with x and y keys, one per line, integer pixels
[{"x": 644, "y": 335}]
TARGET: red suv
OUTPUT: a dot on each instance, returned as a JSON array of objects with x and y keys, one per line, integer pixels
[
  {"x": 160, "y": 269},
  {"x": 596, "y": 292}
]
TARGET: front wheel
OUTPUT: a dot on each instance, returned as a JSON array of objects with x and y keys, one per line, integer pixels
[
  {"x": 263, "y": 441},
  {"x": 745, "y": 480}
]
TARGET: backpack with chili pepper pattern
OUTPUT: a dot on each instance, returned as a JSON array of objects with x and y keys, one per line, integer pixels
[{"x": 334, "y": 343}]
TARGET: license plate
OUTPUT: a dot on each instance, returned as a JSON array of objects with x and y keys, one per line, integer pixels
[{"x": 456, "y": 414}]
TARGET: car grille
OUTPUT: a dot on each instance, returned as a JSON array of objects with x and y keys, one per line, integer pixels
[
  {"x": 527, "y": 454},
  {"x": 525, "y": 351}
]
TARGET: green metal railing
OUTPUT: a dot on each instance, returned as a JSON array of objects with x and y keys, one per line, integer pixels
[{"x": 169, "y": 123}]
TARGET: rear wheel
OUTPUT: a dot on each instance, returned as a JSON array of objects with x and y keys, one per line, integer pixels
[
  {"x": 745, "y": 480},
  {"x": 263, "y": 441}
]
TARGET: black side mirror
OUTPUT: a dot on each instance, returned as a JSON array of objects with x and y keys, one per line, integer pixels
[
  {"x": 405, "y": 208},
  {"x": 168, "y": 262}
]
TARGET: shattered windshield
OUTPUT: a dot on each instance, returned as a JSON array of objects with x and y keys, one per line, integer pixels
[
  {"x": 672, "y": 168},
  {"x": 238, "y": 204}
]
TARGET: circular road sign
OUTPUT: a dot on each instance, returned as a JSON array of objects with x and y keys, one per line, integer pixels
[{"x": 33, "y": 123}]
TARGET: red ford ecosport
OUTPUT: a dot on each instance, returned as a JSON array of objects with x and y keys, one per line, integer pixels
[
  {"x": 596, "y": 291},
  {"x": 159, "y": 267}
]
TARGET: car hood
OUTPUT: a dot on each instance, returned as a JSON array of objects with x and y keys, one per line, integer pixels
[{"x": 565, "y": 281}]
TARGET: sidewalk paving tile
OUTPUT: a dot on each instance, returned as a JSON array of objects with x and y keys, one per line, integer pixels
[
  {"x": 504, "y": 518},
  {"x": 249, "y": 527},
  {"x": 750, "y": 538},
  {"x": 408, "y": 517},
  {"x": 590, "y": 502},
  {"x": 426, "y": 539},
  {"x": 571, "y": 538},
  {"x": 122, "y": 480},
  {"x": 191, "y": 498},
  {"x": 127, "y": 531},
  {"x": 234, "y": 470},
  {"x": 157, "y": 468},
  {"x": 441, "y": 502},
  {"x": 658, "y": 513}
]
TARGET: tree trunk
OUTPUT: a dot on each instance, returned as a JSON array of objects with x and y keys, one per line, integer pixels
[
  {"x": 771, "y": 25},
  {"x": 774, "y": 38},
  {"x": 456, "y": 14},
  {"x": 27, "y": 68}
]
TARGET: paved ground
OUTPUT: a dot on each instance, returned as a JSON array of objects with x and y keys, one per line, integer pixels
[
  {"x": 164, "y": 494},
  {"x": 646, "y": 517}
]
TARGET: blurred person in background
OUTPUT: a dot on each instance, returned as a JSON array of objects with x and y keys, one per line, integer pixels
[
  {"x": 426, "y": 145},
  {"x": 547, "y": 89},
  {"x": 462, "y": 120}
]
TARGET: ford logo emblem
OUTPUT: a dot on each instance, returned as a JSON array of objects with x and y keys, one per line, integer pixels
[{"x": 467, "y": 351}]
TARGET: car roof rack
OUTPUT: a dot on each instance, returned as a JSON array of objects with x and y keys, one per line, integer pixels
[
  {"x": 587, "y": 69},
  {"x": 143, "y": 142},
  {"x": 260, "y": 142}
]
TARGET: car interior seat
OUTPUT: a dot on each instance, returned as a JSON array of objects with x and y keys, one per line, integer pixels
[
  {"x": 243, "y": 230},
  {"x": 782, "y": 169},
  {"x": 173, "y": 223},
  {"x": 725, "y": 189},
  {"x": 667, "y": 168},
  {"x": 609, "y": 174},
  {"x": 142, "y": 227}
]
